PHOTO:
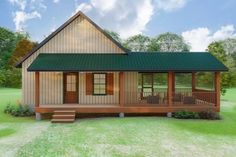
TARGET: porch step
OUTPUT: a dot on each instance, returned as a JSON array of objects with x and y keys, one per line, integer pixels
[
  {"x": 64, "y": 112},
  {"x": 62, "y": 120},
  {"x": 63, "y": 116}
]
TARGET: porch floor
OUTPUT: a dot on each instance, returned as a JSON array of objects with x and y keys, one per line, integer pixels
[{"x": 127, "y": 108}]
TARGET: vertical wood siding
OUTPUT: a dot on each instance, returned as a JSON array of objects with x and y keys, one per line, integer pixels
[
  {"x": 91, "y": 99},
  {"x": 131, "y": 87},
  {"x": 78, "y": 37}
]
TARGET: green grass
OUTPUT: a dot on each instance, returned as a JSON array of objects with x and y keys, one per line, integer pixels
[
  {"x": 6, "y": 132},
  {"x": 130, "y": 136},
  {"x": 230, "y": 95}
]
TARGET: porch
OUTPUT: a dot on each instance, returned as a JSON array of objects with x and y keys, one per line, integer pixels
[{"x": 146, "y": 99}]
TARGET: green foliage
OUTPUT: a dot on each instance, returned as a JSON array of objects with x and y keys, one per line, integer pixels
[
  {"x": 23, "y": 47},
  {"x": 168, "y": 42},
  {"x": 137, "y": 43},
  {"x": 186, "y": 115},
  {"x": 13, "y": 46},
  {"x": 18, "y": 110},
  {"x": 114, "y": 35},
  {"x": 209, "y": 114},
  {"x": 8, "y": 41},
  {"x": 205, "y": 80},
  {"x": 217, "y": 49},
  {"x": 10, "y": 78}
]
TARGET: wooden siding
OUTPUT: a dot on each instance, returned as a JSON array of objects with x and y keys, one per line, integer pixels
[
  {"x": 93, "y": 99},
  {"x": 131, "y": 88},
  {"x": 78, "y": 37}
]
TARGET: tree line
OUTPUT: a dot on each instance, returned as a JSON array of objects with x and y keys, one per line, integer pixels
[{"x": 15, "y": 45}]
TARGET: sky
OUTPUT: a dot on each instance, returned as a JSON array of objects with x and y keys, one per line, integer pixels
[{"x": 199, "y": 21}]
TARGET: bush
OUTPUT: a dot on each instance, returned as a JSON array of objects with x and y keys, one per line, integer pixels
[
  {"x": 186, "y": 115},
  {"x": 209, "y": 114},
  {"x": 19, "y": 110}
]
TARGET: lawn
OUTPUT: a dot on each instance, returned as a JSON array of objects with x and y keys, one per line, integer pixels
[{"x": 130, "y": 136}]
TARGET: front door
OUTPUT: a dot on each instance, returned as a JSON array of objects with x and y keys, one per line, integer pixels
[{"x": 70, "y": 88}]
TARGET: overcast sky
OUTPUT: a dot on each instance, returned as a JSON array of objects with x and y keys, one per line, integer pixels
[{"x": 198, "y": 21}]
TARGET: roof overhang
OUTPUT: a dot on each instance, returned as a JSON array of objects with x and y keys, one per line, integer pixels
[{"x": 141, "y": 62}]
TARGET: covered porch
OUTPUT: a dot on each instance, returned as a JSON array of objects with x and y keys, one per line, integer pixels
[
  {"x": 146, "y": 99},
  {"x": 127, "y": 83}
]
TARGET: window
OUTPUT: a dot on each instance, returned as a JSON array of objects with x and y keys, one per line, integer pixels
[
  {"x": 70, "y": 83},
  {"x": 99, "y": 84}
]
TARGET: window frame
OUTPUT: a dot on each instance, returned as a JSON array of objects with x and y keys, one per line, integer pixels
[{"x": 101, "y": 94}]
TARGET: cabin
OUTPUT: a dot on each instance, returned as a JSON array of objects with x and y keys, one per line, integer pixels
[{"x": 80, "y": 68}]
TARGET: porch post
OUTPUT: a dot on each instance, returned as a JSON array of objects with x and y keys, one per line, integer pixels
[
  {"x": 37, "y": 115},
  {"x": 217, "y": 90},
  {"x": 193, "y": 82},
  {"x": 170, "y": 86},
  {"x": 122, "y": 88},
  {"x": 173, "y": 82},
  {"x": 36, "y": 89}
]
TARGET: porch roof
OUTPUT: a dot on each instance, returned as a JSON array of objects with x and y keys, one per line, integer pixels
[{"x": 133, "y": 61}]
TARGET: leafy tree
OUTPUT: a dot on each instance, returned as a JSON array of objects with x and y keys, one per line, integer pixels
[
  {"x": 217, "y": 49},
  {"x": 137, "y": 43},
  {"x": 22, "y": 48},
  {"x": 8, "y": 41},
  {"x": 114, "y": 35},
  {"x": 168, "y": 42}
]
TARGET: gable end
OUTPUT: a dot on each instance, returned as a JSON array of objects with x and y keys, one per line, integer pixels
[{"x": 19, "y": 64}]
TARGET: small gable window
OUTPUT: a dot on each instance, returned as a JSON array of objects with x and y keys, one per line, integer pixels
[{"x": 99, "y": 83}]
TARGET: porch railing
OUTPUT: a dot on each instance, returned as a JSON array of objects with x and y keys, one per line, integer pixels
[
  {"x": 178, "y": 98},
  {"x": 151, "y": 98},
  {"x": 194, "y": 98},
  {"x": 146, "y": 98}
]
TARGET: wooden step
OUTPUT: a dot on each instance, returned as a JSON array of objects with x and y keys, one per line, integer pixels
[
  {"x": 62, "y": 120},
  {"x": 63, "y": 116},
  {"x": 64, "y": 112}
]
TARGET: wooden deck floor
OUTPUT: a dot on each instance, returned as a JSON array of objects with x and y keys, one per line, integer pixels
[{"x": 115, "y": 108}]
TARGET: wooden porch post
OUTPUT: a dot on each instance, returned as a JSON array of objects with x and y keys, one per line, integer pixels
[
  {"x": 36, "y": 89},
  {"x": 173, "y": 82},
  {"x": 122, "y": 88},
  {"x": 193, "y": 82},
  {"x": 217, "y": 90},
  {"x": 170, "y": 86}
]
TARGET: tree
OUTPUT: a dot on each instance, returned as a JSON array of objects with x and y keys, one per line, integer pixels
[
  {"x": 168, "y": 42},
  {"x": 137, "y": 43},
  {"x": 114, "y": 35},
  {"x": 8, "y": 41},
  {"x": 217, "y": 50},
  {"x": 22, "y": 48}
]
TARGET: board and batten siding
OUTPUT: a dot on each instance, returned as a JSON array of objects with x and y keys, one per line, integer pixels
[
  {"x": 93, "y": 99},
  {"x": 131, "y": 88},
  {"x": 80, "y": 36}
]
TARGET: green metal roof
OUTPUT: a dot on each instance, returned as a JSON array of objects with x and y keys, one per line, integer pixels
[{"x": 133, "y": 61}]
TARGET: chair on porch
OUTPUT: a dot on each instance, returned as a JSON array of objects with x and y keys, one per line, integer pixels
[
  {"x": 177, "y": 98},
  {"x": 189, "y": 100},
  {"x": 151, "y": 99}
]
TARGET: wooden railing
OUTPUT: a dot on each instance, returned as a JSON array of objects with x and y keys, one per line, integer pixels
[
  {"x": 146, "y": 98},
  {"x": 151, "y": 98},
  {"x": 194, "y": 98},
  {"x": 178, "y": 98}
]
